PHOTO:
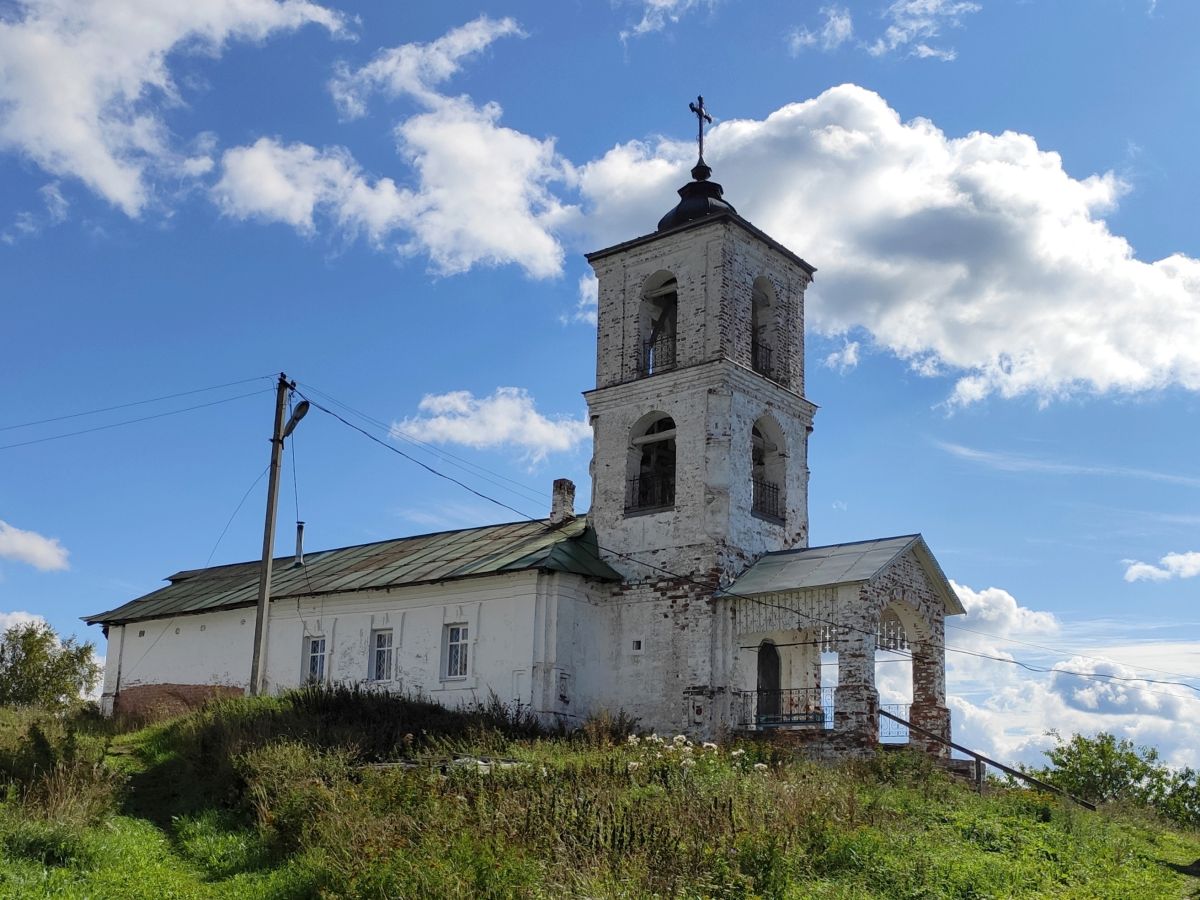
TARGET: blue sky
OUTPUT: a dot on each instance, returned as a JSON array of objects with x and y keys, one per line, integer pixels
[{"x": 391, "y": 205}]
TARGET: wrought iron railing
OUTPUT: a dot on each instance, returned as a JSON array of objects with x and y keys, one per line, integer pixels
[
  {"x": 890, "y": 730},
  {"x": 789, "y": 707},
  {"x": 760, "y": 359},
  {"x": 658, "y": 355},
  {"x": 766, "y": 500},
  {"x": 651, "y": 492}
]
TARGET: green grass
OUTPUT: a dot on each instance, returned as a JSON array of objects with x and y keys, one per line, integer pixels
[{"x": 285, "y": 798}]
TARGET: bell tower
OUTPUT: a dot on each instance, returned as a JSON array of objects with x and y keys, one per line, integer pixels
[{"x": 700, "y": 425}]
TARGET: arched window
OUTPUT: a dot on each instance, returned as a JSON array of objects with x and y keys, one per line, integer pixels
[
  {"x": 762, "y": 328},
  {"x": 768, "y": 470},
  {"x": 658, "y": 321},
  {"x": 652, "y": 464}
]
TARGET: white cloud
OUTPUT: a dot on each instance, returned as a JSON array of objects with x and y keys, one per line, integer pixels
[
  {"x": 291, "y": 183},
  {"x": 586, "y": 306},
  {"x": 977, "y": 255},
  {"x": 837, "y": 29},
  {"x": 1005, "y": 711},
  {"x": 1173, "y": 565},
  {"x": 507, "y": 418},
  {"x": 30, "y": 224},
  {"x": 1015, "y": 462},
  {"x": 657, "y": 14},
  {"x": 18, "y": 617},
  {"x": 845, "y": 359},
  {"x": 83, "y": 85},
  {"x": 43, "y": 553},
  {"x": 483, "y": 192},
  {"x": 416, "y": 69},
  {"x": 912, "y": 22}
]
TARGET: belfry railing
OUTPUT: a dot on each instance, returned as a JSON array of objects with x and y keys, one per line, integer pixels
[
  {"x": 658, "y": 355},
  {"x": 650, "y": 492},
  {"x": 760, "y": 359},
  {"x": 766, "y": 500}
]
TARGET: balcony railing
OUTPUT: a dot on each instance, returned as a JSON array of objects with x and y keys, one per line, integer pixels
[
  {"x": 760, "y": 359},
  {"x": 786, "y": 708},
  {"x": 891, "y": 731},
  {"x": 650, "y": 492},
  {"x": 766, "y": 502},
  {"x": 658, "y": 355}
]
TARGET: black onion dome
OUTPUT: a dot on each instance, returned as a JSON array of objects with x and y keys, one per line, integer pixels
[{"x": 698, "y": 198}]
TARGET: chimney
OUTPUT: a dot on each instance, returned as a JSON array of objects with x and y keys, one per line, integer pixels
[
  {"x": 299, "y": 544},
  {"x": 562, "y": 508}
]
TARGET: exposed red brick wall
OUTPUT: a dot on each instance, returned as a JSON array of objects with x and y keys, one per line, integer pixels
[{"x": 169, "y": 699}]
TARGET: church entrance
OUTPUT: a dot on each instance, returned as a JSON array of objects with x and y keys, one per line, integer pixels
[{"x": 768, "y": 683}]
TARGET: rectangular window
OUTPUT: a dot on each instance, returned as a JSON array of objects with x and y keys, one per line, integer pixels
[
  {"x": 456, "y": 651},
  {"x": 381, "y": 655},
  {"x": 314, "y": 651}
]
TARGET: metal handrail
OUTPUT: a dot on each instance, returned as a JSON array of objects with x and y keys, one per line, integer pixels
[
  {"x": 651, "y": 492},
  {"x": 783, "y": 707},
  {"x": 980, "y": 758},
  {"x": 658, "y": 355},
  {"x": 765, "y": 500}
]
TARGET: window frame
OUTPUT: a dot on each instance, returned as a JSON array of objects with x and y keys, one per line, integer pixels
[
  {"x": 310, "y": 655},
  {"x": 456, "y": 643},
  {"x": 373, "y": 656}
]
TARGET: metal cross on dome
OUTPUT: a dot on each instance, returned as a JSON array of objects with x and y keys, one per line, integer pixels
[{"x": 702, "y": 116}]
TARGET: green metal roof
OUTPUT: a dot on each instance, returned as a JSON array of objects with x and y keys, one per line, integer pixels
[
  {"x": 423, "y": 559},
  {"x": 854, "y": 563}
]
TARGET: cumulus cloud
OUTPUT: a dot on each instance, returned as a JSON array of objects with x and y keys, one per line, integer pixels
[
  {"x": 18, "y": 617},
  {"x": 43, "y": 553},
  {"x": 914, "y": 22},
  {"x": 658, "y": 14},
  {"x": 483, "y": 192},
  {"x": 835, "y": 31},
  {"x": 1173, "y": 565},
  {"x": 979, "y": 256},
  {"x": 506, "y": 418},
  {"x": 83, "y": 85},
  {"x": 1006, "y": 711}
]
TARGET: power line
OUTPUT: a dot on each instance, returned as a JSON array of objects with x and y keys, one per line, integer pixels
[
  {"x": 236, "y": 510},
  {"x": 412, "y": 459},
  {"x": 1060, "y": 650},
  {"x": 791, "y": 611},
  {"x": 173, "y": 412},
  {"x": 526, "y": 492},
  {"x": 92, "y": 412}
]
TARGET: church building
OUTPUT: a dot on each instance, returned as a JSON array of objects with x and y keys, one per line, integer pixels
[{"x": 686, "y": 596}]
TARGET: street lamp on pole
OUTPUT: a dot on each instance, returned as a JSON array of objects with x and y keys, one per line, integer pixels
[{"x": 258, "y": 661}]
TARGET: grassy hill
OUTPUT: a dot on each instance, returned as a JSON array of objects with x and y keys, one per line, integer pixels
[{"x": 346, "y": 793}]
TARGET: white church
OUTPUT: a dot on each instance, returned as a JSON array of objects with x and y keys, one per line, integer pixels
[{"x": 686, "y": 596}]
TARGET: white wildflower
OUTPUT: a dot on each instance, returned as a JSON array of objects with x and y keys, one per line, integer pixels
[
  {"x": 680, "y": 739},
  {"x": 633, "y": 764},
  {"x": 738, "y": 752},
  {"x": 632, "y": 741},
  {"x": 709, "y": 745},
  {"x": 687, "y": 762},
  {"x": 760, "y": 767}
]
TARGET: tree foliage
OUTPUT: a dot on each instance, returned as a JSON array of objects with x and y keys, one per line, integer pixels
[
  {"x": 1103, "y": 769},
  {"x": 39, "y": 669}
]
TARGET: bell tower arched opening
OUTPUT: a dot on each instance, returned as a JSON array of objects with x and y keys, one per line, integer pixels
[
  {"x": 651, "y": 464},
  {"x": 768, "y": 470},
  {"x": 762, "y": 328},
  {"x": 658, "y": 323}
]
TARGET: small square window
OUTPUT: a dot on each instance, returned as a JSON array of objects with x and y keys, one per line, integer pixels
[
  {"x": 381, "y": 655},
  {"x": 637, "y": 646},
  {"x": 314, "y": 651},
  {"x": 142, "y": 633},
  {"x": 456, "y": 651}
]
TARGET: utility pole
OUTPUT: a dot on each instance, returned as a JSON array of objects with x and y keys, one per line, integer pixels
[{"x": 258, "y": 663}]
